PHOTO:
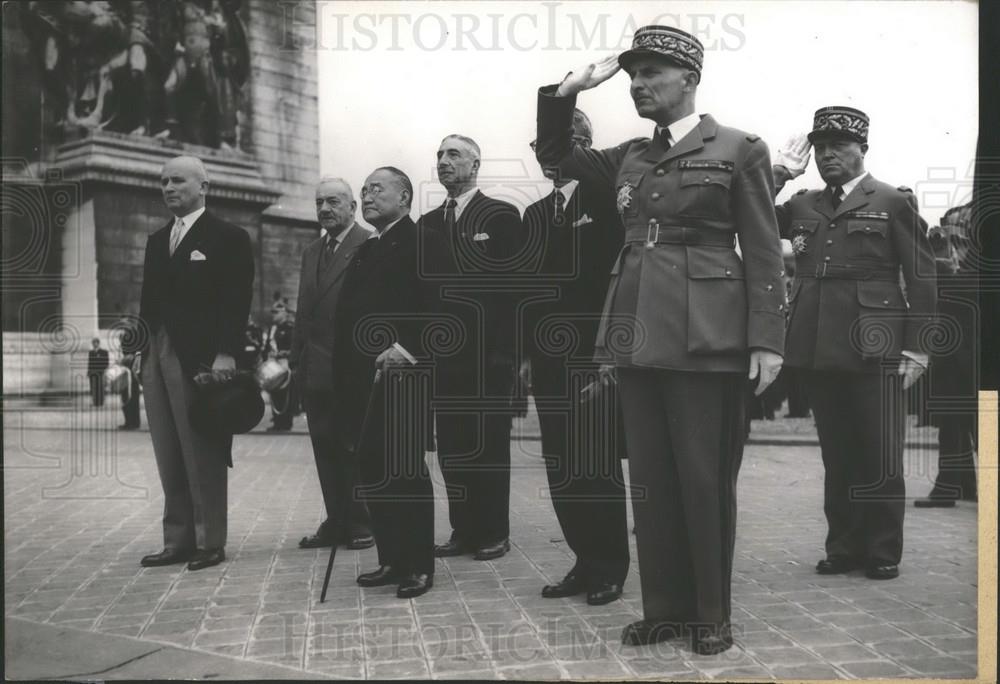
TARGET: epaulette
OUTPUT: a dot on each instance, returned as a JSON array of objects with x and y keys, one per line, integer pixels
[
  {"x": 903, "y": 188},
  {"x": 802, "y": 191},
  {"x": 753, "y": 138}
]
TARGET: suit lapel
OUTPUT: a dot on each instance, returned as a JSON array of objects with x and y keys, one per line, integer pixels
[
  {"x": 692, "y": 142},
  {"x": 190, "y": 240},
  {"x": 858, "y": 197},
  {"x": 341, "y": 258}
]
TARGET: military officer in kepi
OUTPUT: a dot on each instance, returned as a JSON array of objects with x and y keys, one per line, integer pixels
[
  {"x": 858, "y": 340},
  {"x": 686, "y": 321}
]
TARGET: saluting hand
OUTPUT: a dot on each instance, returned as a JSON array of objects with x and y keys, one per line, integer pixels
[
  {"x": 766, "y": 364},
  {"x": 591, "y": 76},
  {"x": 794, "y": 155}
]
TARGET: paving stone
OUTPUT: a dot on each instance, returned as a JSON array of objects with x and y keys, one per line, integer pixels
[
  {"x": 942, "y": 667},
  {"x": 806, "y": 672},
  {"x": 875, "y": 668},
  {"x": 901, "y": 650},
  {"x": 402, "y": 669},
  {"x": 535, "y": 672}
]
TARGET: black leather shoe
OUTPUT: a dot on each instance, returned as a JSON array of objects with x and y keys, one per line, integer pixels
[
  {"x": 206, "y": 558},
  {"x": 455, "y": 546},
  {"x": 882, "y": 572},
  {"x": 711, "y": 639},
  {"x": 837, "y": 565},
  {"x": 571, "y": 585},
  {"x": 414, "y": 585},
  {"x": 604, "y": 593},
  {"x": 316, "y": 541},
  {"x": 165, "y": 557},
  {"x": 646, "y": 632},
  {"x": 361, "y": 541},
  {"x": 379, "y": 578},
  {"x": 492, "y": 551},
  {"x": 934, "y": 502}
]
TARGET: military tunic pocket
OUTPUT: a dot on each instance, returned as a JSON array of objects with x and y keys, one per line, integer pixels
[
  {"x": 868, "y": 237},
  {"x": 627, "y": 194},
  {"x": 717, "y": 302},
  {"x": 879, "y": 329},
  {"x": 704, "y": 191}
]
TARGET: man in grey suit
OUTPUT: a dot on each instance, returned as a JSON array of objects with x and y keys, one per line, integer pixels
[{"x": 324, "y": 264}]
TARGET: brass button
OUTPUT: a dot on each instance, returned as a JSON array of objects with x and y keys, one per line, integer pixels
[
  {"x": 829, "y": 242},
  {"x": 770, "y": 287},
  {"x": 826, "y": 258},
  {"x": 801, "y": 227},
  {"x": 655, "y": 196},
  {"x": 886, "y": 302},
  {"x": 781, "y": 307},
  {"x": 707, "y": 179},
  {"x": 652, "y": 221},
  {"x": 728, "y": 272},
  {"x": 868, "y": 229},
  {"x": 660, "y": 172},
  {"x": 833, "y": 225}
]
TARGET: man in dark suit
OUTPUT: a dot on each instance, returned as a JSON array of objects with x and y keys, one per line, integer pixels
[
  {"x": 196, "y": 292},
  {"x": 475, "y": 384},
  {"x": 324, "y": 264},
  {"x": 953, "y": 373},
  {"x": 857, "y": 338},
  {"x": 97, "y": 363},
  {"x": 384, "y": 308},
  {"x": 686, "y": 319},
  {"x": 579, "y": 232}
]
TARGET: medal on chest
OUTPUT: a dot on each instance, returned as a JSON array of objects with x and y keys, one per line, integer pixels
[
  {"x": 624, "y": 197},
  {"x": 799, "y": 245}
]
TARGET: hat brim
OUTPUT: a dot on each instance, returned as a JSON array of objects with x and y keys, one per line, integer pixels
[
  {"x": 828, "y": 134},
  {"x": 629, "y": 57}
]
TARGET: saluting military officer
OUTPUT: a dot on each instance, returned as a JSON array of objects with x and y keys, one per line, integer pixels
[
  {"x": 685, "y": 321},
  {"x": 856, "y": 337}
]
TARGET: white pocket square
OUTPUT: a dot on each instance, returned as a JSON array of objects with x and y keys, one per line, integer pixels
[
  {"x": 198, "y": 256},
  {"x": 582, "y": 221},
  {"x": 479, "y": 237}
]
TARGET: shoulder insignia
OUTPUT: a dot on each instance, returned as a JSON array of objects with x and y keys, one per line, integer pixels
[
  {"x": 802, "y": 191},
  {"x": 753, "y": 138},
  {"x": 903, "y": 188}
]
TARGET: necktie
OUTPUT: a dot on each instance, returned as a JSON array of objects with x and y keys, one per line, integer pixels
[
  {"x": 327, "y": 255},
  {"x": 175, "y": 235},
  {"x": 559, "y": 215},
  {"x": 664, "y": 134},
  {"x": 449, "y": 214},
  {"x": 837, "y": 195}
]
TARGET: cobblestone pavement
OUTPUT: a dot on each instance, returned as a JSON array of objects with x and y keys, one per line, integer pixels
[{"x": 81, "y": 508}]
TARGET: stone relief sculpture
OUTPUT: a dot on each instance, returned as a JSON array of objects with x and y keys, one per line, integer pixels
[{"x": 164, "y": 68}]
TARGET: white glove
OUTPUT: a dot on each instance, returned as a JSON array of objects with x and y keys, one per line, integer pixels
[{"x": 794, "y": 155}]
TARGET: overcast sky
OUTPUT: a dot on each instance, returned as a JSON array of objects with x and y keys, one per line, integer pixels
[{"x": 395, "y": 77}]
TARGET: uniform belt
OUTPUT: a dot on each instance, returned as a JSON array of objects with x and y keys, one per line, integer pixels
[
  {"x": 654, "y": 233},
  {"x": 844, "y": 272}
]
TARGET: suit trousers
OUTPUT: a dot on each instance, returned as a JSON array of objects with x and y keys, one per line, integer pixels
[
  {"x": 956, "y": 465},
  {"x": 192, "y": 465},
  {"x": 337, "y": 468},
  {"x": 684, "y": 434},
  {"x": 473, "y": 441},
  {"x": 96, "y": 389},
  {"x": 586, "y": 483},
  {"x": 861, "y": 421},
  {"x": 396, "y": 483},
  {"x": 130, "y": 402}
]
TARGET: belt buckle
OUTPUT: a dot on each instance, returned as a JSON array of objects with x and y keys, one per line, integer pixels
[
  {"x": 656, "y": 236},
  {"x": 821, "y": 272}
]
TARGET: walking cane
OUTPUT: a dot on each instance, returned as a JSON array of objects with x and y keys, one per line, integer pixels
[{"x": 357, "y": 450}]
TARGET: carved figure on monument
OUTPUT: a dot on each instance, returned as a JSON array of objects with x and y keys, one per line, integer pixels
[
  {"x": 211, "y": 65},
  {"x": 94, "y": 52}
]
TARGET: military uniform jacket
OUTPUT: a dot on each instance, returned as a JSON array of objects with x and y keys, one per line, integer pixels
[
  {"x": 680, "y": 296},
  {"x": 848, "y": 311}
]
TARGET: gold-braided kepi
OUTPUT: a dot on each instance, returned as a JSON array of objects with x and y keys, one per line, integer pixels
[
  {"x": 667, "y": 42},
  {"x": 839, "y": 122}
]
